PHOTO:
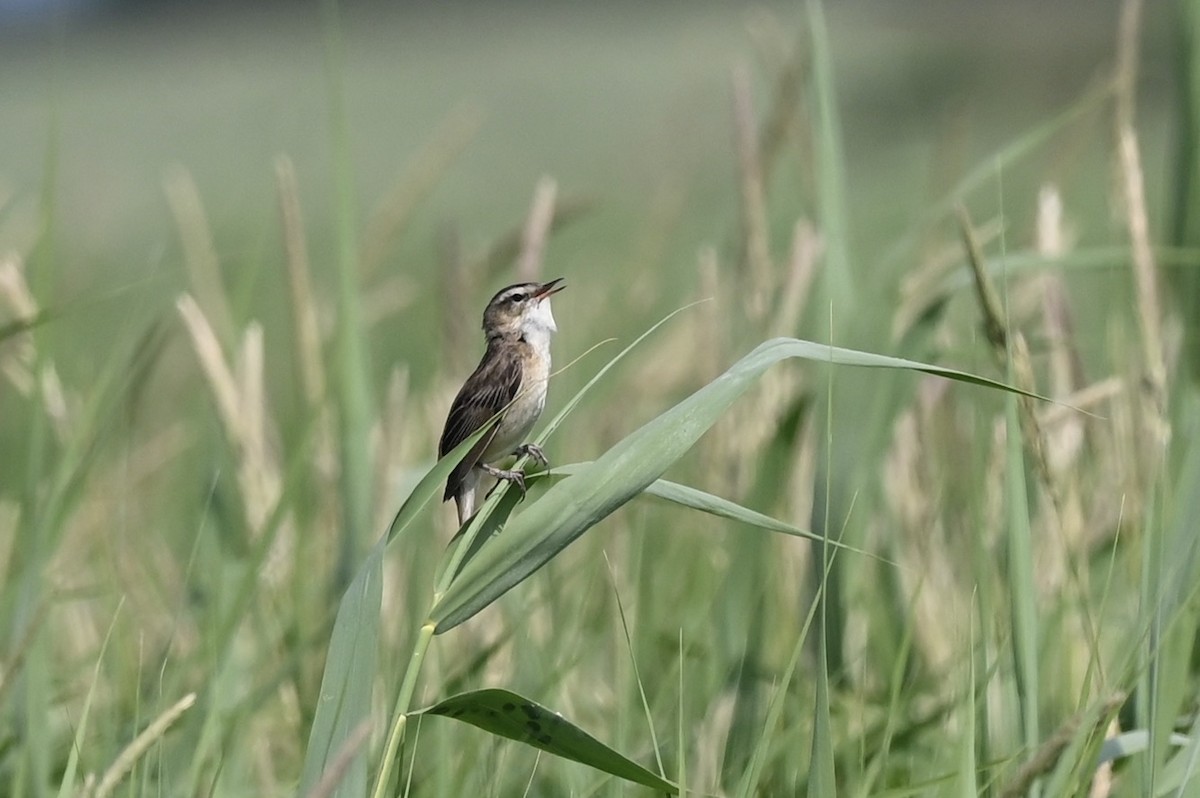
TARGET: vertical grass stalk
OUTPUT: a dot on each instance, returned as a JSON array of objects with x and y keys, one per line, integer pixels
[{"x": 353, "y": 376}]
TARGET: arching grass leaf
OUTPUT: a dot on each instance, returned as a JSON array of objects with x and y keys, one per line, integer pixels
[{"x": 572, "y": 506}]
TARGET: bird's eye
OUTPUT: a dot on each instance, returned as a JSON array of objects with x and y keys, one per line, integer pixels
[{"x": 515, "y": 298}]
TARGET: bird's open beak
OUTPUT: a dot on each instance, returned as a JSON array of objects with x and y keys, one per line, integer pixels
[{"x": 549, "y": 289}]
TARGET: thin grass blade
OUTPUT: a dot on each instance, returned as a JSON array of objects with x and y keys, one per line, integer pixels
[
  {"x": 67, "y": 786},
  {"x": 749, "y": 784},
  {"x": 1021, "y": 587},
  {"x": 832, "y": 212},
  {"x": 705, "y": 502}
]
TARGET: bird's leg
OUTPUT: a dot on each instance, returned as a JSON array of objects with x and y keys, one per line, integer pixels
[
  {"x": 533, "y": 451},
  {"x": 513, "y": 476}
]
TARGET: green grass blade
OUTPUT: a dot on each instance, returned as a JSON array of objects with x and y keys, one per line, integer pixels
[
  {"x": 352, "y": 367},
  {"x": 696, "y": 499},
  {"x": 345, "y": 697},
  {"x": 1175, "y": 568},
  {"x": 1022, "y": 590},
  {"x": 968, "y": 785},
  {"x": 1185, "y": 175},
  {"x": 822, "y": 779},
  {"x": 832, "y": 213},
  {"x": 574, "y": 505},
  {"x": 1088, "y": 749},
  {"x": 510, "y": 715},
  {"x": 749, "y": 784},
  {"x": 67, "y": 786}
]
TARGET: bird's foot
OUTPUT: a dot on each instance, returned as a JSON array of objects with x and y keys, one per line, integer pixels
[
  {"x": 533, "y": 451},
  {"x": 513, "y": 476}
]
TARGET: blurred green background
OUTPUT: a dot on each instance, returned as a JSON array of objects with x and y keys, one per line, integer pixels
[
  {"x": 627, "y": 106},
  {"x": 132, "y": 512}
]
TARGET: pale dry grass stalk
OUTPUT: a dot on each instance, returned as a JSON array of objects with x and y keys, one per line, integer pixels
[
  {"x": 782, "y": 57},
  {"x": 400, "y": 442},
  {"x": 1009, "y": 345},
  {"x": 1057, "y": 561},
  {"x": 708, "y": 751},
  {"x": 923, "y": 288},
  {"x": 417, "y": 181},
  {"x": 738, "y": 439},
  {"x": 916, "y": 475},
  {"x": 241, "y": 405},
  {"x": 1065, "y": 367},
  {"x": 756, "y": 254},
  {"x": 306, "y": 324},
  {"x": 19, "y": 359},
  {"x": 1103, "y": 782},
  {"x": 129, "y": 757},
  {"x": 1086, "y": 398},
  {"x": 199, "y": 253},
  {"x": 1065, "y": 441},
  {"x": 1145, "y": 272},
  {"x": 1046, "y": 757},
  {"x": 387, "y": 298},
  {"x": 711, "y": 329},
  {"x": 110, "y": 527},
  {"x": 305, "y": 317},
  {"x": 537, "y": 230},
  {"x": 806, "y": 252}
]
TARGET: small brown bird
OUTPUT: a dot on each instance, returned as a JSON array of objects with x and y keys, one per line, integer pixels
[{"x": 513, "y": 375}]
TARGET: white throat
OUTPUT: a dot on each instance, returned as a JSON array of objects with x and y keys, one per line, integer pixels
[{"x": 537, "y": 326}]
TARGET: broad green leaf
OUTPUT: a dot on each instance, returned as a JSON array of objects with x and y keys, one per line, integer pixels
[
  {"x": 572, "y": 506},
  {"x": 345, "y": 697},
  {"x": 350, "y": 667},
  {"x": 510, "y": 715}
]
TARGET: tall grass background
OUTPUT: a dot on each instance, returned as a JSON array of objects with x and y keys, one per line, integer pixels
[{"x": 227, "y": 353}]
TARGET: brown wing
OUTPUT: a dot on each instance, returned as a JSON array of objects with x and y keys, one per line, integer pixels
[{"x": 494, "y": 384}]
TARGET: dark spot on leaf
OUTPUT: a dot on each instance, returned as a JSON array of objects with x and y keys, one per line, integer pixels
[
  {"x": 545, "y": 739},
  {"x": 509, "y": 706},
  {"x": 530, "y": 710},
  {"x": 533, "y": 726}
]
